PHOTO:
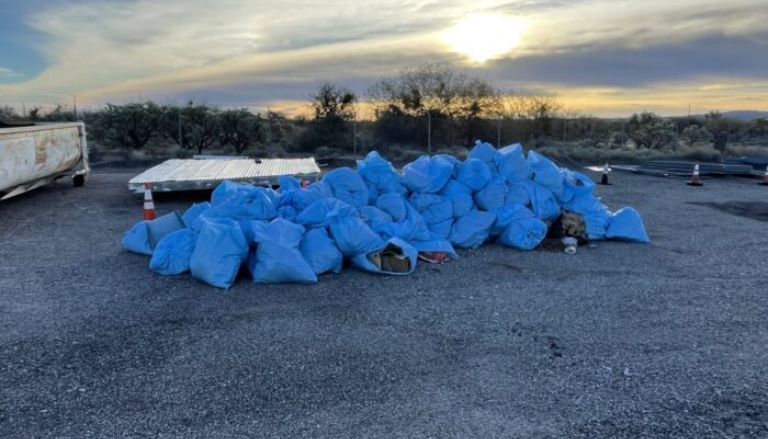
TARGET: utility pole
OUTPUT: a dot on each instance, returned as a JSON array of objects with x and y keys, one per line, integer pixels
[
  {"x": 354, "y": 137},
  {"x": 429, "y": 132},
  {"x": 181, "y": 136},
  {"x": 498, "y": 133},
  {"x": 269, "y": 132},
  {"x": 563, "y": 130}
]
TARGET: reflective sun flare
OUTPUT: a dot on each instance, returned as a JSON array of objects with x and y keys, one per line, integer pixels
[{"x": 486, "y": 36}]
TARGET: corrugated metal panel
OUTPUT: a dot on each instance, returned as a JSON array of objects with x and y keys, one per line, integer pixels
[{"x": 178, "y": 174}]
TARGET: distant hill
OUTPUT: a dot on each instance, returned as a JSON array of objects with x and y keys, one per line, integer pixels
[
  {"x": 746, "y": 115},
  {"x": 743, "y": 115}
]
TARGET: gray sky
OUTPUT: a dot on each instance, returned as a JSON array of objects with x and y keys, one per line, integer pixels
[{"x": 601, "y": 57}]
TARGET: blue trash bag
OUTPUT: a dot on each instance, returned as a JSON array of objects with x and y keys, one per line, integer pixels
[
  {"x": 173, "y": 253},
  {"x": 432, "y": 207},
  {"x": 287, "y": 212},
  {"x": 288, "y": 183},
  {"x": 251, "y": 228},
  {"x": 493, "y": 195},
  {"x": 348, "y": 186},
  {"x": 393, "y": 204},
  {"x": 374, "y": 217},
  {"x": 351, "y": 233},
  {"x": 321, "y": 252},
  {"x": 597, "y": 220},
  {"x": 442, "y": 229},
  {"x": 512, "y": 164},
  {"x": 507, "y": 214},
  {"x": 272, "y": 194},
  {"x": 450, "y": 159},
  {"x": 427, "y": 174},
  {"x": 627, "y": 225},
  {"x": 373, "y": 194},
  {"x": 396, "y": 257},
  {"x": 474, "y": 174},
  {"x": 380, "y": 174},
  {"x": 546, "y": 173},
  {"x": 136, "y": 239},
  {"x": 596, "y": 215},
  {"x": 192, "y": 216},
  {"x": 484, "y": 152},
  {"x": 524, "y": 234},
  {"x": 460, "y": 196},
  {"x": 471, "y": 230},
  {"x": 575, "y": 184},
  {"x": 228, "y": 188},
  {"x": 543, "y": 203},
  {"x": 277, "y": 258},
  {"x": 161, "y": 226},
  {"x": 242, "y": 202},
  {"x": 315, "y": 191},
  {"x": 435, "y": 245},
  {"x": 219, "y": 253},
  {"x": 412, "y": 228},
  {"x": 517, "y": 193},
  {"x": 318, "y": 213}
]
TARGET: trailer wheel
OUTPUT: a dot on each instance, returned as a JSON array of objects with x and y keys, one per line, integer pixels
[{"x": 78, "y": 180}]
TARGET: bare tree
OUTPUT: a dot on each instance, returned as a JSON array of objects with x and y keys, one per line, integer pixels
[
  {"x": 241, "y": 128},
  {"x": 720, "y": 128}
]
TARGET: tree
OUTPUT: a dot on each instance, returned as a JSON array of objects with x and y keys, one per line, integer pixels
[
  {"x": 434, "y": 88},
  {"x": 202, "y": 122},
  {"x": 61, "y": 114},
  {"x": 192, "y": 126},
  {"x": 241, "y": 129},
  {"x": 333, "y": 108},
  {"x": 649, "y": 130},
  {"x": 720, "y": 128},
  {"x": 131, "y": 125},
  {"x": 453, "y": 102},
  {"x": 758, "y": 128},
  {"x": 7, "y": 112},
  {"x": 332, "y": 102},
  {"x": 696, "y": 134}
]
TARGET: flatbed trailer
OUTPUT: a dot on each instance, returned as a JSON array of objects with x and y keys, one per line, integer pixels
[{"x": 206, "y": 173}]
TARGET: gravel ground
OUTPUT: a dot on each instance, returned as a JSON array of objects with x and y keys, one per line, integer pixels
[{"x": 623, "y": 340}]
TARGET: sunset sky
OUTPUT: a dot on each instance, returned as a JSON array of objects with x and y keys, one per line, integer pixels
[{"x": 607, "y": 58}]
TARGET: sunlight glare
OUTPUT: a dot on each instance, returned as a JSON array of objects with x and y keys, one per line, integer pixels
[{"x": 484, "y": 37}]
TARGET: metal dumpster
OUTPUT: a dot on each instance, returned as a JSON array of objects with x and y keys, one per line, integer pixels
[{"x": 34, "y": 156}]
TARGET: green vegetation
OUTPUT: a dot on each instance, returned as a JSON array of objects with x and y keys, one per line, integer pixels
[{"x": 431, "y": 108}]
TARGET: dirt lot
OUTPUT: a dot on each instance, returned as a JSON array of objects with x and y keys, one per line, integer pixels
[{"x": 624, "y": 340}]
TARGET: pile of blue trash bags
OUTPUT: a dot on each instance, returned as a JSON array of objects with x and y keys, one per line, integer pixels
[{"x": 376, "y": 218}]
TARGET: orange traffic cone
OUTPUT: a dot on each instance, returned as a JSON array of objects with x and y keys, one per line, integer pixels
[
  {"x": 695, "y": 180},
  {"x": 606, "y": 171},
  {"x": 765, "y": 178},
  {"x": 149, "y": 205}
]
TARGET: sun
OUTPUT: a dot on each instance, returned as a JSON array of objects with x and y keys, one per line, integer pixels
[{"x": 484, "y": 37}]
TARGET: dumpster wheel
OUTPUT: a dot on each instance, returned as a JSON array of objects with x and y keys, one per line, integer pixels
[{"x": 78, "y": 180}]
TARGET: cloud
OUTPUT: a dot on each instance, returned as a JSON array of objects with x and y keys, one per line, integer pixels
[
  {"x": 712, "y": 55},
  {"x": 6, "y": 72},
  {"x": 249, "y": 53}
]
